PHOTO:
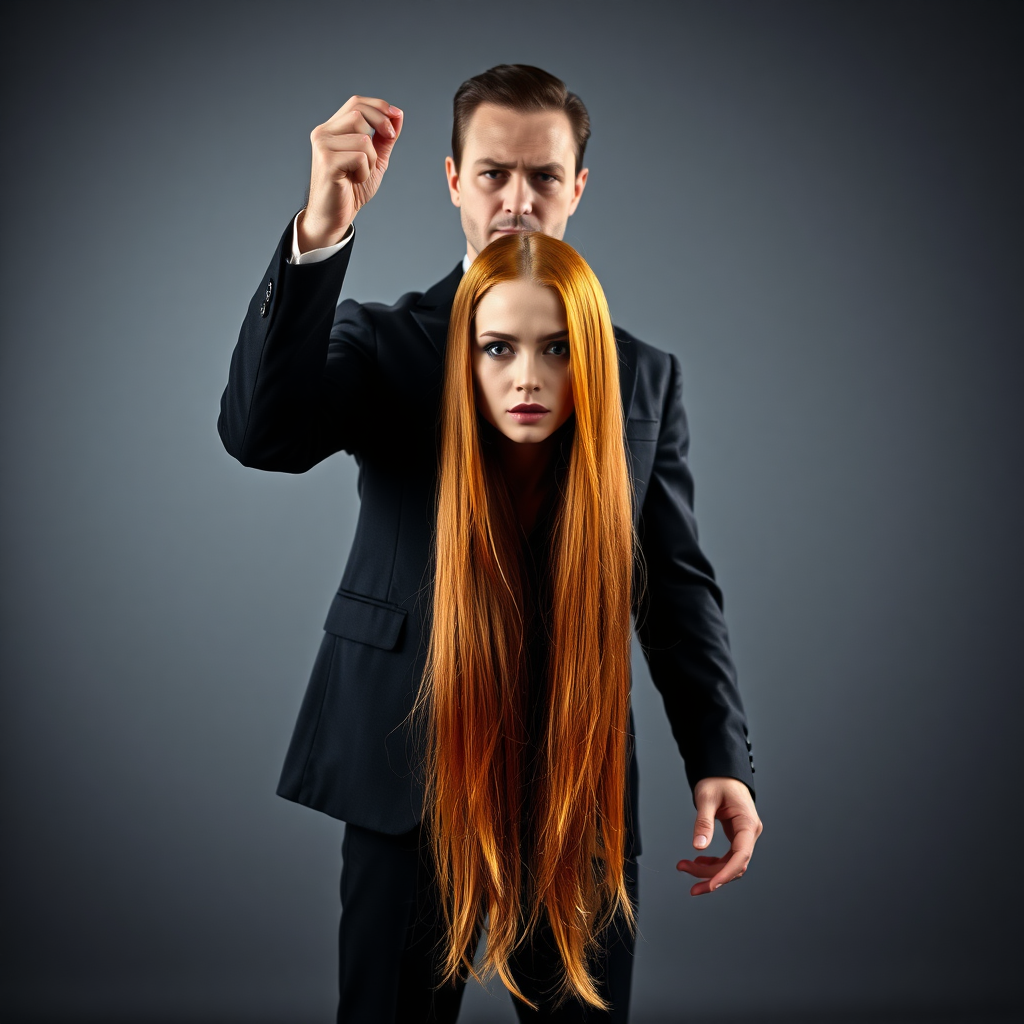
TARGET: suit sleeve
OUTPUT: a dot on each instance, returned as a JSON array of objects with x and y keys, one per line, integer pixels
[
  {"x": 303, "y": 377},
  {"x": 680, "y": 622}
]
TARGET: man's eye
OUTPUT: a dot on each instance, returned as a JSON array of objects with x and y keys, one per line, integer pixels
[
  {"x": 547, "y": 179},
  {"x": 492, "y": 175}
]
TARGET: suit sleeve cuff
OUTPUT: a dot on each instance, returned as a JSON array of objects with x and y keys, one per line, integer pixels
[{"x": 316, "y": 255}]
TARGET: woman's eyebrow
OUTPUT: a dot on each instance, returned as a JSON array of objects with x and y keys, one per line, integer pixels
[{"x": 499, "y": 336}]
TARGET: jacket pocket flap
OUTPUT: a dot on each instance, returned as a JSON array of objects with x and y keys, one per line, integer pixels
[
  {"x": 642, "y": 430},
  {"x": 364, "y": 620}
]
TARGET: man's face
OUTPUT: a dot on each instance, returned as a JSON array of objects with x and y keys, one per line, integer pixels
[{"x": 518, "y": 173}]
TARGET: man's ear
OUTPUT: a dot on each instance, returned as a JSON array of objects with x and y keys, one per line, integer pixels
[
  {"x": 578, "y": 186},
  {"x": 451, "y": 172}
]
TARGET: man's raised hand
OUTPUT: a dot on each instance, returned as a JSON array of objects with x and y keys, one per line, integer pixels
[{"x": 350, "y": 155}]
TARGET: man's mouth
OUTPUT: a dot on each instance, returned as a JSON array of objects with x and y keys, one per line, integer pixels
[{"x": 517, "y": 227}]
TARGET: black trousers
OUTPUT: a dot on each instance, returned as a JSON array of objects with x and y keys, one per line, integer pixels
[{"x": 390, "y": 927}]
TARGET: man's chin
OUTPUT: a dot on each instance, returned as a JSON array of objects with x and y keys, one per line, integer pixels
[{"x": 499, "y": 233}]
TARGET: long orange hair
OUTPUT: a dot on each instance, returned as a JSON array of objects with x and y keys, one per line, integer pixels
[{"x": 471, "y": 699}]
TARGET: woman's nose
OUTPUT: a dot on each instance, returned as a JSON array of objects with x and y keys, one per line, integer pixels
[{"x": 528, "y": 379}]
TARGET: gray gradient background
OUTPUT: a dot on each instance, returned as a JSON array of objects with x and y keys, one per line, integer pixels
[{"x": 817, "y": 207}]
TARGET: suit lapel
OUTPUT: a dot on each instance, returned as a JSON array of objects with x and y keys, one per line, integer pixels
[
  {"x": 627, "y": 369},
  {"x": 433, "y": 312}
]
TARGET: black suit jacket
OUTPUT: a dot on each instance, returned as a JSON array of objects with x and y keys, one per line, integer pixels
[{"x": 309, "y": 378}]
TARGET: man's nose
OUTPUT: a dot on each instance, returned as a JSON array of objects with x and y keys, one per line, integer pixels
[{"x": 518, "y": 196}]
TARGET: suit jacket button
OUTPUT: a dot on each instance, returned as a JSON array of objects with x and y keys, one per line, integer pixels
[
  {"x": 270, "y": 289},
  {"x": 263, "y": 309}
]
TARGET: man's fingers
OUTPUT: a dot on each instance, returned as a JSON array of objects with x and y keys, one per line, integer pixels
[
  {"x": 734, "y": 864},
  {"x": 353, "y": 165},
  {"x": 716, "y": 871},
  {"x": 743, "y": 839},
  {"x": 729, "y": 869},
  {"x": 354, "y": 160},
  {"x": 334, "y": 150},
  {"x": 368, "y": 116},
  {"x": 362, "y": 123},
  {"x": 356, "y": 142},
  {"x": 374, "y": 110},
  {"x": 701, "y": 867},
  {"x": 382, "y": 123},
  {"x": 384, "y": 142},
  {"x": 353, "y": 125},
  {"x": 704, "y": 826},
  {"x": 381, "y": 130}
]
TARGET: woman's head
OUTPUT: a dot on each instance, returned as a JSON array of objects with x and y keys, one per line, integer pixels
[
  {"x": 530, "y": 327},
  {"x": 520, "y": 359}
]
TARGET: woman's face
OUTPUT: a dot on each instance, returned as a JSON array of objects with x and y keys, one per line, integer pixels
[{"x": 521, "y": 361}]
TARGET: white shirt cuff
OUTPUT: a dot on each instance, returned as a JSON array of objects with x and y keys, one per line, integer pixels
[{"x": 316, "y": 255}]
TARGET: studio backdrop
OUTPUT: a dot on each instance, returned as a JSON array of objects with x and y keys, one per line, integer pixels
[{"x": 816, "y": 207}]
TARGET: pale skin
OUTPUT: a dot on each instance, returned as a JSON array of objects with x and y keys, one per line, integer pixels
[
  {"x": 521, "y": 357},
  {"x": 518, "y": 173}
]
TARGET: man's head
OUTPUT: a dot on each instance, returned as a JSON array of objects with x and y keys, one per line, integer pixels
[{"x": 518, "y": 140}]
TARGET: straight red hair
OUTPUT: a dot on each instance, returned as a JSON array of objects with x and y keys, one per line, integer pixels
[{"x": 472, "y": 696}]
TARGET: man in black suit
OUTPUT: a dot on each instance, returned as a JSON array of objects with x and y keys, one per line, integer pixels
[{"x": 309, "y": 378}]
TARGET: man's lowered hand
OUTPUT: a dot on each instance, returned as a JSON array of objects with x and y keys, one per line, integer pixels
[{"x": 730, "y": 802}]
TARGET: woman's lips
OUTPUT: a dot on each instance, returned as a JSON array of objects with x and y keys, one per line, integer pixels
[{"x": 527, "y": 414}]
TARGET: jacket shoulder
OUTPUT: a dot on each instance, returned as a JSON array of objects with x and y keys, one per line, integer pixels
[
  {"x": 654, "y": 366},
  {"x": 399, "y": 307},
  {"x": 436, "y": 298},
  {"x": 646, "y": 353},
  {"x": 381, "y": 311}
]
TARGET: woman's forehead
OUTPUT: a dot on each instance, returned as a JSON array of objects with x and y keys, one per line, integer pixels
[{"x": 520, "y": 302}]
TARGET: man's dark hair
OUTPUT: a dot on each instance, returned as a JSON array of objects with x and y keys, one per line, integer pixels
[{"x": 519, "y": 87}]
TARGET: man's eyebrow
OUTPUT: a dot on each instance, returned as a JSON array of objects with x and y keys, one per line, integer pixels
[{"x": 552, "y": 168}]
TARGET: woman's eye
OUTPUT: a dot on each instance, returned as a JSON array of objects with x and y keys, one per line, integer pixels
[
  {"x": 559, "y": 348},
  {"x": 496, "y": 348}
]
